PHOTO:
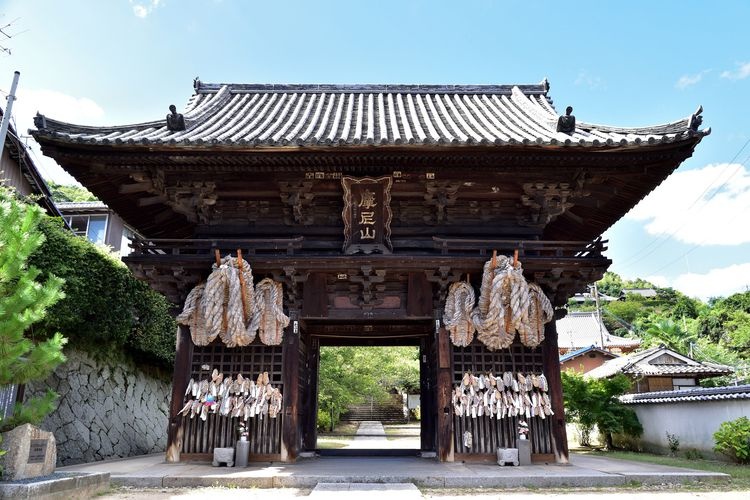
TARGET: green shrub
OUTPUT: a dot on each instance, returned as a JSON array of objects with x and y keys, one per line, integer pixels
[
  {"x": 674, "y": 443},
  {"x": 324, "y": 421},
  {"x": 733, "y": 439},
  {"x": 106, "y": 310}
]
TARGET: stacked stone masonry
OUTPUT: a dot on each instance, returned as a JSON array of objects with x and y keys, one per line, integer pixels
[{"x": 105, "y": 411}]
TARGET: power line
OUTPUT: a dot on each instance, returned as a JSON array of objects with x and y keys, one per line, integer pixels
[
  {"x": 628, "y": 262},
  {"x": 697, "y": 245}
]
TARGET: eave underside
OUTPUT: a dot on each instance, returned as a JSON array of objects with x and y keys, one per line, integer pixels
[{"x": 158, "y": 192}]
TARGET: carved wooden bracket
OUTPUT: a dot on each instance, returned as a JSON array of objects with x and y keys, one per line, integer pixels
[
  {"x": 174, "y": 282},
  {"x": 291, "y": 278},
  {"x": 194, "y": 200},
  {"x": 297, "y": 196},
  {"x": 443, "y": 276},
  {"x": 440, "y": 194},
  {"x": 546, "y": 201},
  {"x": 371, "y": 285}
]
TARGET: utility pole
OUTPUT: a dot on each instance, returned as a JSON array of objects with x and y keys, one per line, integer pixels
[
  {"x": 599, "y": 315},
  {"x": 6, "y": 113}
]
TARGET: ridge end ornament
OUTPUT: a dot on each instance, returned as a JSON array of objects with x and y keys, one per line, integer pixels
[{"x": 367, "y": 215}]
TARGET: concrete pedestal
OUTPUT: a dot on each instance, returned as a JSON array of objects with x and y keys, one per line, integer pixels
[
  {"x": 242, "y": 453},
  {"x": 524, "y": 451}
]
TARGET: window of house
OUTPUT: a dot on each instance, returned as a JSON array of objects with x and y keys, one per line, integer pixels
[
  {"x": 93, "y": 227},
  {"x": 683, "y": 383}
]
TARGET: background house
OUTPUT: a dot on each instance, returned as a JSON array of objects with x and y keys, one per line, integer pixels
[
  {"x": 17, "y": 170},
  {"x": 98, "y": 223},
  {"x": 660, "y": 369},
  {"x": 581, "y": 330},
  {"x": 586, "y": 359}
]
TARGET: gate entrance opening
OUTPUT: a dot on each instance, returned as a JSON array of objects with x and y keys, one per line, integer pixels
[
  {"x": 368, "y": 398},
  {"x": 373, "y": 390}
]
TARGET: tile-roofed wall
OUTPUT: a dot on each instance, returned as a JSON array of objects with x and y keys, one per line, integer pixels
[
  {"x": 698, "y": 394},
  {"x": 339, "y": 115}
]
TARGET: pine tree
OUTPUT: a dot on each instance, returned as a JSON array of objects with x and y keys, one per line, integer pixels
[{"x": 23, "y": 301}]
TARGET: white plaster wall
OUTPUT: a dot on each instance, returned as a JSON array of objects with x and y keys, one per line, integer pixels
[{"x": 693, "y": 422}]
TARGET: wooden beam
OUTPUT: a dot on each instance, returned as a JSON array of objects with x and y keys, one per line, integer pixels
[
  {"x": 151, "y": 200},
  {"x": 180, "y": 377},
  {"x": 419, "y": 299},
  {"x": 551, "y": 369},
  {"x": 138, "y": 187}
]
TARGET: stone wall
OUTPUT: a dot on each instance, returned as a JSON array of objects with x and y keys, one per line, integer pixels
[{"x": 105, "y": 411}]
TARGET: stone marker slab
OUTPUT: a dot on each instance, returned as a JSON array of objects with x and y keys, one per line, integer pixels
[{"x": 30, "y": 452}]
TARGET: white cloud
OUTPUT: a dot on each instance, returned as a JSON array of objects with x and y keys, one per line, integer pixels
[
  {"x": 740, "y": 73},
  {"x": 587, "y": 80},
  {"x": 720, "y": 282},
  {"x": 686, "y": 81},
  {"x": 658, "y": 280},
  {"x": 59, "y": 106},
  {"x": 705, "y": 206},
  {"x": 143, "y": 9}
]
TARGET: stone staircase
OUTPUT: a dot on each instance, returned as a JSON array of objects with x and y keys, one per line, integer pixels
[{"x": 387, "y": 412}]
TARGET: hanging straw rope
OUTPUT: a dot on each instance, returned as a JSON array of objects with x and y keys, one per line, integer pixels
[
  {"x": 269, "y": 319},
  {"x": 457, "y": 316}
]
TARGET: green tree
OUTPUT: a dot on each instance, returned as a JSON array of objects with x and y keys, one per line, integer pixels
[
  {"x": 69, "y": 192},
  {"x": 594, "y": 402},
  {"x": 352, "y": 375},
  {"x": 25, "y": 300},
  {"x": 610, "y": 284},
  {"x": 667, "y": 332}
]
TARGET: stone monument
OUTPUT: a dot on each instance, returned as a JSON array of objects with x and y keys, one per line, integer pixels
[{"x": 29, "y": 452}]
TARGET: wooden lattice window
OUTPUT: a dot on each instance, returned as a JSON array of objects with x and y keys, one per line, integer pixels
[
  {"x": 201, "y": 437},
  {"x": 489, "y": 433}
]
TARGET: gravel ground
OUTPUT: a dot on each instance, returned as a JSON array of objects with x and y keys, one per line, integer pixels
[{"x": 665, "y": 493}]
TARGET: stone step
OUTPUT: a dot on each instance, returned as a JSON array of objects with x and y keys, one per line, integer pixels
[{"x": 366, "y": 491}]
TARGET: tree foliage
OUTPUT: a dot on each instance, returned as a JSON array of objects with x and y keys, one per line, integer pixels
[
  {"x": 105, "y": 308},
  {"x": 69, "y": 192},
  {"x": 594, "y": 402},
  {"x": 352, "y": 375},
  {"x": 716, "y": 331},
  {"x": 25, "y": 299}
]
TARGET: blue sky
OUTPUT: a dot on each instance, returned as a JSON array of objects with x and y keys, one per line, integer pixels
[{"x": 621, "y": 63}]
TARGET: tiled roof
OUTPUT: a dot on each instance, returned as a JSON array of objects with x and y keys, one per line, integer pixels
[
  {"x": 344, "y": 115},
  {"x": 580, "y": 352},
  {"x": 638, "y": 364},
  {"x": 581, "y": 329},
  {"x": 71, "y": 206},
  {"x": 699, "y": 394}
]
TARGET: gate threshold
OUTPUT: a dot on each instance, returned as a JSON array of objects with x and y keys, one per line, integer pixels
[{"x": 368, "y": 452}]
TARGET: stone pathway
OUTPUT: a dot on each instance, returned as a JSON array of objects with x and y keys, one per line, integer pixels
[
  {"x": 370, "y": 435},
  {"x": 366, "y": 491}
]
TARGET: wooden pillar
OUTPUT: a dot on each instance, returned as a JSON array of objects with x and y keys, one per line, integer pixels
[
  {"x": 551, "y": 367},
  {"x": 180, "y": 377},
  {"x": 290, "y": 434},
  {"x": 311, "y": 417},
  {"x": 443, "y": 390}
]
